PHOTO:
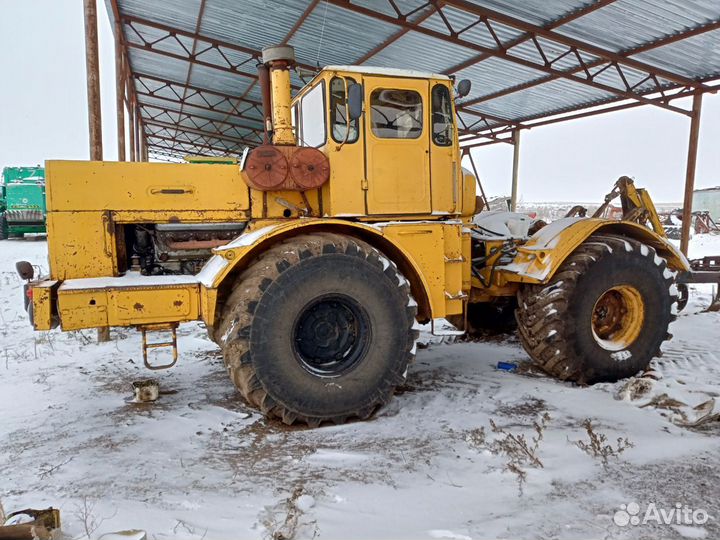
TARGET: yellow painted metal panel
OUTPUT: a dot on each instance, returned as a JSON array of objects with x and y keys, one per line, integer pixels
[
  {"x": 283, "y": 204},
  {"x": 127, "y": 306},
  {"x": 42, "y": 299},
  {"x": 398, "y": 170},
  {"x": 79, "y": 245},
  {"x": 421, "y": 244},
  {"x": 469, "y": 195},
  {"x": 208, "y": 303},
  {"x": 178, "y": 216},
  {"x": 82, "y": 309},
  {"x": 132, "y": 306},
  {"x": 344, "y": 194},
  {"x": 424, "y": 245},
  {"x": 445, "y": 169},
  {"x": 108, "y": 185},
  {"x": 542, "y": 255},
  {"x": 455, "y": 293}
]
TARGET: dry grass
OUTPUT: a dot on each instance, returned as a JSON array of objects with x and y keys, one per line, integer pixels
[
  {"x": 284, "y": 520},
  {"x": 520, "y": 452},
  {"x": 598, "y": 447}
]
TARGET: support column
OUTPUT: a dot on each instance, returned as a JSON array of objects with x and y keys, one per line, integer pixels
[
  {"x": 136, "y": 127},
  {"x": 120, "y": 91},
  {"x": 92, "y": 61},
  {"x": 515, "y": 169},
  {"x": 131, "y": 126},
  {"x": 690, "y": 172}
]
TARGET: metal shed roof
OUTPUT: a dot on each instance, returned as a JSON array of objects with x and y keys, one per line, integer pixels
[{"x": 191, "y": 63}]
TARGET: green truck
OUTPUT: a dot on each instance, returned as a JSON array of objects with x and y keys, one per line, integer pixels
[{"x": 22, "y": 201}]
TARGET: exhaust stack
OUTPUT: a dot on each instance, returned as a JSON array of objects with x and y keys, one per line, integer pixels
[
  {"x": 279, "y": 59},
  {"x": 280, "y": 164}
]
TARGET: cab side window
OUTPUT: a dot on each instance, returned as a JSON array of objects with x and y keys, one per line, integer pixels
[
  {"x": 312, "y": 117},
  {"x": 396, "y": 114},
  {"x": 338, "y": 120},
  {"x": 442, "y": 118}
]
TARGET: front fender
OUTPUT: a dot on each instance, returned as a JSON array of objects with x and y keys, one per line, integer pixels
[
  {"x": 231, "y": 258},
  {"x": 542, "y": 255}
]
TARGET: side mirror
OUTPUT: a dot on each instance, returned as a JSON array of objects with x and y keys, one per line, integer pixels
[
  {"x": 463, "y": 88},
  {"x": 25, "y": 270},
  {"x": 355, "y": 100}
]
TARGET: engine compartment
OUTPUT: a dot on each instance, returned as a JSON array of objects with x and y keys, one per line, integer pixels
[{"x": 175, "y": 248}]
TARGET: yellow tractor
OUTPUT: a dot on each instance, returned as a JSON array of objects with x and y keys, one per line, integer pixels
[{"x": 314, "y": 257}]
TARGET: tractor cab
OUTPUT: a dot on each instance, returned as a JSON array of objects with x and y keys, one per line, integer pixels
[
  {"x": 376, "y": 142},
  {"x": 390, "y": 136}
]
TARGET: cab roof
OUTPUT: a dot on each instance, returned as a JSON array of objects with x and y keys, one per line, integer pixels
[{"x": 388, "y": 72}]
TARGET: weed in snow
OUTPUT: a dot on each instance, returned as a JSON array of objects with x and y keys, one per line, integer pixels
[
  {"x": 284, "y": 520},
  {"x": 598, "y": 447},
  {"x": 85, "y": 513},
  {"x": 520, "y": 452}
]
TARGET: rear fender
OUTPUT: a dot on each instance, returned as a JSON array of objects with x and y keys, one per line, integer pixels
[{"x": 542, "y": 255}]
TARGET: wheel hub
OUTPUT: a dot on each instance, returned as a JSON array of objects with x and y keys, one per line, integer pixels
[
  {"x": 331, "y": 335},
  {"x": 617, "y": 317}
]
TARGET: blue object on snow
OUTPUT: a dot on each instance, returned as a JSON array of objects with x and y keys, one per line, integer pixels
[{"x": 507, "y": 366}]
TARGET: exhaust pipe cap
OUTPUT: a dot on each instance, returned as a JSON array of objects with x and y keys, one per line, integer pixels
[{"x": 276, "y": 53}]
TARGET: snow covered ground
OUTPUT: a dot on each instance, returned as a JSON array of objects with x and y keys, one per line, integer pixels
[{"x": 199, "y": 464}]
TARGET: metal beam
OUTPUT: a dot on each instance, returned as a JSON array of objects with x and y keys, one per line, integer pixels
[
  {"x": 216, "y": 135},
  {"x": 196, "y": 144},
  {"x": 212, "y": 44},
  {"x": 573, "y": 15},
  {"x": 543, "y": 120},
  {"x": 572, "y": 43},
  {"x": 690, "y": 172},
  {"x": 667, "y": 40},
  {"x": 173, "y": 150},
  {"x": 233, "y": 101},
  {"x": 468, "y": 153},
  {"x": 190, "y": 116},
  {"x": 544, "y": 66},
  {"x": 426, "y": 13},
  {"x": 300, "y": 21},
  {"x": 198, "y": 23}
]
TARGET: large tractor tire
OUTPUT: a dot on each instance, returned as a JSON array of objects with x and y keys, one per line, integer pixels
[
  {"x": 603, "y": 315},
  {"x": 319, "y": 329},
  {"x": 3, "y": 226}
]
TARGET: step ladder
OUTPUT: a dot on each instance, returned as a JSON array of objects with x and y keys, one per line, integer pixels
[{"x": 164, "y": 327}]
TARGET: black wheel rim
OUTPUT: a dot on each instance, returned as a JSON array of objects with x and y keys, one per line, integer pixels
[{"x": 331, "y": 335}]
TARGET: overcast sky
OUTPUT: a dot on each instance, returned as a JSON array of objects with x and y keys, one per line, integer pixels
[{"x": 44, "y": 116}]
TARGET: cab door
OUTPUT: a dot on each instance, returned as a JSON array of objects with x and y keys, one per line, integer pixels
[{"x": 397, "y": 146}]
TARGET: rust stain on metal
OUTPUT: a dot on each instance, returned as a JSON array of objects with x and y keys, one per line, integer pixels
[
  {"x": 138, "y": 306},
  {"x": 177, "y": 303},
  {"x": 197, "y": 244}
]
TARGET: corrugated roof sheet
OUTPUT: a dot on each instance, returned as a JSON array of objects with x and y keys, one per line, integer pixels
[{"x": 193, "y": 61}]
